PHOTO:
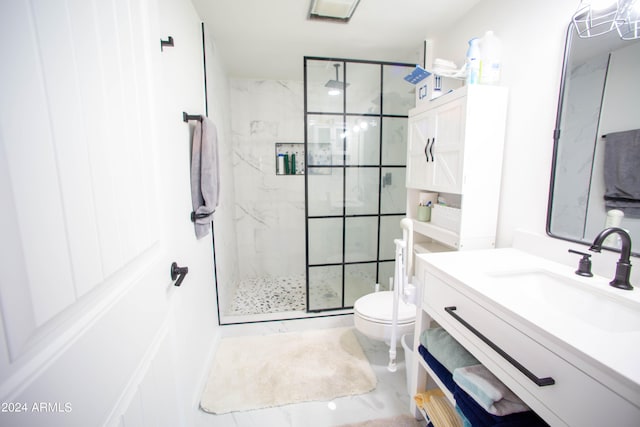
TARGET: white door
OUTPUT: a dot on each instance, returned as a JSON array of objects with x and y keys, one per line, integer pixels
[{"x": 88, "y": 307}]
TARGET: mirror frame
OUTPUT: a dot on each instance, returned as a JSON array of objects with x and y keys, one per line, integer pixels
[{"x": 556, "y": 139}]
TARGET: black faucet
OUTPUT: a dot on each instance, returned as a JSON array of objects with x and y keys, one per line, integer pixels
[{"x": 623, "y": 266}]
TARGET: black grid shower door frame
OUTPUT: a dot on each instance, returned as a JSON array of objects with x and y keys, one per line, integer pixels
[{"x": 344, "y": 166}]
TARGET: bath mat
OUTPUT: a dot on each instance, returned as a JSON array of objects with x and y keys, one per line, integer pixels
[
  {"x": 274, "y": 370},
  {"x": 397, "y": 421}
]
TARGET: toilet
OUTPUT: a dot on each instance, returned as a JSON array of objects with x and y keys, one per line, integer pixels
[{"x": 373, "y": 312}]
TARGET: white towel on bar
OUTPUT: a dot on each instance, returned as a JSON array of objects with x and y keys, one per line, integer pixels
[{"x": 205, "y": 175}]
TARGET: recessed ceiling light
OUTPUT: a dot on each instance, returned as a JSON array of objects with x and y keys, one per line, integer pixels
[{"x": 333, "y": 10}]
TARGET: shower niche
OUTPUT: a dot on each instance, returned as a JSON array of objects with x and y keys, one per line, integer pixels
[{"x": 290, "y": 158}]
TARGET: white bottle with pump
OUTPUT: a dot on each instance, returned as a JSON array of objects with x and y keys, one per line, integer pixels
[{"x": 490, "y": 59}]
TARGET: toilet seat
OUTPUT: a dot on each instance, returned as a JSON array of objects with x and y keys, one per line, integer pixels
[{"x": 378, "y": 308}]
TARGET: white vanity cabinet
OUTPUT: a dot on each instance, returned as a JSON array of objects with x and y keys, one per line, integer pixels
[
  {"x": 561, "y": 386},
  {"x": 454, "y": 148}
]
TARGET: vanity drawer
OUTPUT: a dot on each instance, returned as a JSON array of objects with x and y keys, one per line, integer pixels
[{"x": 572, "y": 398}]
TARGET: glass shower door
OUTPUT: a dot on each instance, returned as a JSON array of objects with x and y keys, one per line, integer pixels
[{"x": 355, "y": 142}]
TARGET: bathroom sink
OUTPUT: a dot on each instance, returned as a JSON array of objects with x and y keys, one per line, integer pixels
[
  {"x": 513, "y": 298},
  {"x": 567, "y": 296}
]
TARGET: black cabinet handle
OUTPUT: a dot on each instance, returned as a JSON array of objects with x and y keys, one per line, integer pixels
[
  {"x": 426, "y": 147},
  {"x": 431, "y": 149},
  {"x": 178, "y": 273},
  {"x": 540, "y": 382}
]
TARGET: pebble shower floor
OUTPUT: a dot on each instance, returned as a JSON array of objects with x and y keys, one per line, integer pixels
[
  {"x": 283, "y": 294},
  {"x": 269, "y": 295}
]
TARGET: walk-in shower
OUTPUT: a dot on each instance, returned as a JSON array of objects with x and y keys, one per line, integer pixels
[{"x": 319, "y": 238}]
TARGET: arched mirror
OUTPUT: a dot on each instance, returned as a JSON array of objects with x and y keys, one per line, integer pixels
[{"x": 599, "y": 96}]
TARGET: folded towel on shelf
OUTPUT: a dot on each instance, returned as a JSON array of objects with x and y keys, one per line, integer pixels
[
  {"x": 486, "y": 389},
  {"x": 422, "y": 398},
  {"x": 621, "y": 172},
  {"x": 205, "y": 175},
  {"x": 446, "y": 349},
  {"x": 478, "y": 417},
  {"x": 474, "y": 414},
  {"x": 438, "y": 408},
  {"x": 441, "y": 372},
  {"x": 465, "y": 421},
  {"x": 441, "y": 413}
]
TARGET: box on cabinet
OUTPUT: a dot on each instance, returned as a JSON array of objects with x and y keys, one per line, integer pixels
[{"x": 446, "y": 217}]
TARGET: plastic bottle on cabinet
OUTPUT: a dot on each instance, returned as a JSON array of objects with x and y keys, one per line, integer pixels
[
  {"x": 490, "y": 59},
  {"x": 473, "y": 61}
]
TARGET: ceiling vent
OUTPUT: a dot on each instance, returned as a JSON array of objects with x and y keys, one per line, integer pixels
[{"x": 333, "y": 10}]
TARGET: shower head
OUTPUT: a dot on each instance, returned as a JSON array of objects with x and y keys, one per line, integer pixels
[{"x": 335, "y": 86}]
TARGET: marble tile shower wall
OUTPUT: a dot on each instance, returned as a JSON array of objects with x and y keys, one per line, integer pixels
[{"x": 269, "y": 209}]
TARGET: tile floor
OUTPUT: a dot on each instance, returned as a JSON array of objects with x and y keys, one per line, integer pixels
[{"x": 390, "y": 398}]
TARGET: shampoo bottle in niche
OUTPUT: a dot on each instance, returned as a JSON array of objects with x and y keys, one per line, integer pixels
[
  {"x": 280, "y": 164},
  {"x": 286, "y": 163},
  {"x": 473, "y": 61},
  {"x": 490, "y": 59}
]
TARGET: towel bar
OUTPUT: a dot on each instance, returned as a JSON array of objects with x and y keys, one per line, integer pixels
[
  {"x": 195, "y": 216},
  {"x": 186, "y": 117}
]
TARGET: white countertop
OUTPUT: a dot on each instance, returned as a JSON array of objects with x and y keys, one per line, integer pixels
[{"x": 583, "y": 315}]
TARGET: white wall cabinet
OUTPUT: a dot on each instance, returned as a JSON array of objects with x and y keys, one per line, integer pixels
[
  {"x": 455, "y": 148},
  {"x": 436, "y": 144}
]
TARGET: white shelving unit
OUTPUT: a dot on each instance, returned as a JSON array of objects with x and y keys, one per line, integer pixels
[{"x": 454, "y": 148}]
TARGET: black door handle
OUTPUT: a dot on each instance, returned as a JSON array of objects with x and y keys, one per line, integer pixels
[{"x": 178, "y": 273}]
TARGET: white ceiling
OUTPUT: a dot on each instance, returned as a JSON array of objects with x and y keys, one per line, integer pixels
[{"x": 267, "y": 39}]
